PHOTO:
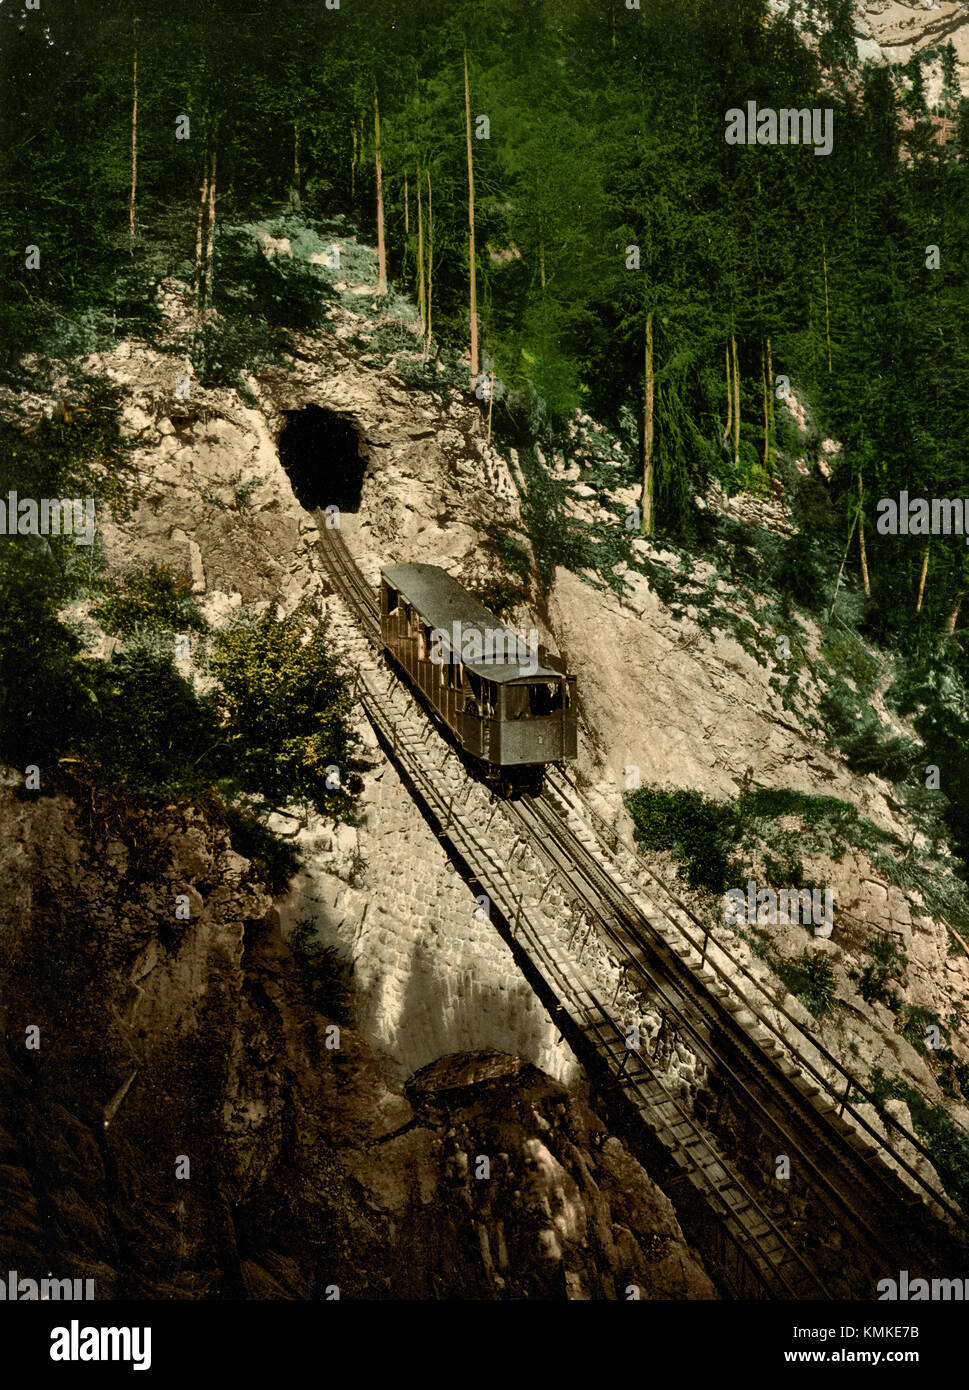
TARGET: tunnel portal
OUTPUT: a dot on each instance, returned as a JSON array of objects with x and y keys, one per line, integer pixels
[{"x": 320, "y": 452}]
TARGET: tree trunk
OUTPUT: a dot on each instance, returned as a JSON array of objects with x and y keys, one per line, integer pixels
[
  {"x": 763, "y": 373},
  {"x": 296, "y": 179},
  {"x": 843, "y": 559},
  {"x": 541, "y": 264},
  {"x": 406, "y": 206},
  {"x": 471, "y": 252},
  {"x": 209, "y": 249},
  {"x": 134, "y": 144},
  {"x": 736, "y": 403},
  {"x": 491, "y": 401},
  {"x": 861, "y": 541},
  {"x": 421, "y": 298},
  {"x": 197, "y": 284},
  {"x": 381, "y": 248},
  {"x": 353, "y": 161},
  {"x": 925, "y": 570},
  {"x": 953, "y": 617},
  {"x": 728, "y": 429},
  {"x": 430, "y": 254},
  {"x": 770, "y": 407},
  {"x": 827, "y": 315},
  {"x": 648, "y": 427}
]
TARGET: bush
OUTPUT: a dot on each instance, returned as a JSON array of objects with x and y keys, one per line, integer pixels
[
  {"x": 917, "y": 1022},
  {"x": 499, "y": 596},
  {"x": 153, "y": 734},
  {"x": 285, "y": 708},
  {"x": 811, "y": 979},
  {"x": 153, "y": 598},
  {"x": 888, "y": 962},
  {"x": 947, "y": 1144},
  {"x": 45, "y": 693},
  {"x": 275, "y": 861},
  {"x": 697, "y": 831},
  {"x": 324, "y": 973}
]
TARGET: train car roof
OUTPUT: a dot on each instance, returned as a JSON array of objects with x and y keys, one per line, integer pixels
[{"x": 442, "y": 601}]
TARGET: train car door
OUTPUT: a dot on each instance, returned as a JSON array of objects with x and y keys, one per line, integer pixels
[{"x": 473, "y": 726}]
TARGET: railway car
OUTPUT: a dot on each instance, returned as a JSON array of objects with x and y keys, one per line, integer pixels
[{"x": 508, "y": 702}]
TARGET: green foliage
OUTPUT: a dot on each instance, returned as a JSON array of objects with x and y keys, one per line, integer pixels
[
  {"x": 285, "y": 707},
  {"x": 510, "y": 551},
  {"x": 260, "y": 301},
  {"x": 45, "y": 693},
  {"x": 78, "y": 451},
  {"x": 947, "y": 1144},
  {"x": 153, "y": 734},
  {"x": 274, "y": 860},
  {"x": 917, "y": 1020},
  {"x": 156, "y": 598},
  {"x": 862, "y": 741},
  {"x": 327, "y": 976},
  {"x": 696, "y": 830},
  {"x": 888, "y": 962},
  {"x": 811, "y": 979},
  {"x": 499, "y": 596},
  {"x": 708, "y": 835}
]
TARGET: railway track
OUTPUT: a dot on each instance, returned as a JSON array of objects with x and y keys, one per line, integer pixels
[{"x": 761, "y": 1251}]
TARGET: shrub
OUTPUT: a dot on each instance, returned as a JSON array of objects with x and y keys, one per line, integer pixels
[
  {"x": 324, "y": 973},
  {"x": 153, "y": 734},
  {"x": 917, "y": 1022},
  {"x": 273, "y": 859},
  {"x": 152, "y": 598},
  {"x": 697, "y": 831},
  {"x": 811, "y": 979},
  {"x": 888, "y": 962},
  {"x": 285, "y": 708},
  {"x": 499, "y": 596}
]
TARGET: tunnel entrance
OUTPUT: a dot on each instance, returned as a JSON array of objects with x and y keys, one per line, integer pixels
[{"x": 320, "y": 451}]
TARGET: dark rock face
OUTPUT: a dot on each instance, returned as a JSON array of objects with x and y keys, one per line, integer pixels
[{"x": 245, "y": 1156}]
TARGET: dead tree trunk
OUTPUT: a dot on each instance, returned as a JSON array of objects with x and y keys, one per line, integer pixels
[
  {"x": 421, "y": 295},
  {"x": 925, "y": 570},
  {"x": 197, "y": 283},
  {"x": 861, "y": 540},
  {"x": 211, "y": 242},
  {"x": 134, "y": 144},
  {"x": 649, "y": 385},
  {"x": 381, "y": 248},
  {"x": 471, "y": 251}
]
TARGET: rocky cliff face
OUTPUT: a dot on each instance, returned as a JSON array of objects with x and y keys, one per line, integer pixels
[
  {"x": 892, "y": 30},
  {"x": 178, "y": 1123},
  {"x": 209, "y": 1015}
]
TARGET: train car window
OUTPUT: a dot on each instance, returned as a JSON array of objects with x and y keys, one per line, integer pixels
[
  {"x": 533, "y": 701},
  {"x": 545, "y": 698},
  {"x": 423, "y": 642},
  {"x": 453, "y": 669},
  {"x": 516, "y": 701},
  {"x": 391, "y": 600}
]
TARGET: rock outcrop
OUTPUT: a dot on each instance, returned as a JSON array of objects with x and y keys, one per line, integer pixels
[{"x": 177, "y": 1123}]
